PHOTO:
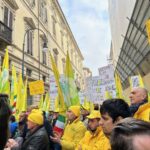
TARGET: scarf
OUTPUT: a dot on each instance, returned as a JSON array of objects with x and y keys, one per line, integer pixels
[{"x": 135, "y": 107}]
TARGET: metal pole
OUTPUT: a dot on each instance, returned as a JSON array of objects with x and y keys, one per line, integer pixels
[
  {"x": 23, "y": 52},
  {"x": 24, "y": 49},
  {"x": 39, "y": 38},
  {"x": 23, "y": 61}
]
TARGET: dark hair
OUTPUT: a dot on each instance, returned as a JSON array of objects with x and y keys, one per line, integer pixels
[
  {"x": 115, "y": 108},
  {"x": 5, "y": 113},
  {"x": 96, "y": 107},
  {"x": 12, "y": 118},
  {"x": 124, "y": 132}
]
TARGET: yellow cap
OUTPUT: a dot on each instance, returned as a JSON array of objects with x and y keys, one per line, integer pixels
[
  {"x": 75, "y": 110},
  {"x": 56, "y": 110},
  {"x": 86, "y": 107},
  {"x": 36, "y": 117},
  {"x": 94, "y": 114},
  {"x": 36, "y": 111}
]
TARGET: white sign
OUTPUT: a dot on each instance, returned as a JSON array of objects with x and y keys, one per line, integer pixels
[
  {"x": 135, "y": 81},
  {"x": 96, "y": 86}
]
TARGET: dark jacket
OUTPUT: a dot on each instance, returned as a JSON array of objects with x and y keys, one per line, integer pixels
[
  {"x": 38, "y": 140},
  {"x": 49, "y": 131}
]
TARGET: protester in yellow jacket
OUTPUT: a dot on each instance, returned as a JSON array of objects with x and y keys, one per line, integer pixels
[
  {"x": 140, "y": 108},
  {"x": 143, "y": 112},
  {"x": 94, "y": 135},
  {"x": 74, "y": 130}
]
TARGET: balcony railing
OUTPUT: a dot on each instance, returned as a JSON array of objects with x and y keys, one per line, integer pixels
[{"x": 5, "y": 34}]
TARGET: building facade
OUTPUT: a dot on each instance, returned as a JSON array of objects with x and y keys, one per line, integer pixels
[
  {"x": 35, "y": 23},
  {"x": 86, "y": 73},
  {"x": 130, "y": 48}
]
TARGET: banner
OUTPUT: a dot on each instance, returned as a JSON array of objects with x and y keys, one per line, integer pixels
[
  {"x": 36, "y": 87},
  {"x": 148, "y": 29}
]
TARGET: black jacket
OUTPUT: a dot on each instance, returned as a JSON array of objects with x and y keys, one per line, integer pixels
[{"x": 38, "y": 140}]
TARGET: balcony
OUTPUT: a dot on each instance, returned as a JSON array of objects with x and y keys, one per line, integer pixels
[{"x": 5, "y": 35}]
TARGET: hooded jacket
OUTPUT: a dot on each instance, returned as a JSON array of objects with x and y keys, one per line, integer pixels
[
  {"x": 73, "y": 133},
  {"x": 143, "y": 112},
  {"x": 90, "y": 140}
]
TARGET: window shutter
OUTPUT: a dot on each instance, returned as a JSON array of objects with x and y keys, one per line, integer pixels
[
  {"x": 10, "y": 20},
  {"x": 6, "y": 15},
  {"x": 30, "y": 42}
]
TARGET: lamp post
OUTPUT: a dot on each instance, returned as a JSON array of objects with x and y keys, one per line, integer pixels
[{"x": 44, "y": 48}]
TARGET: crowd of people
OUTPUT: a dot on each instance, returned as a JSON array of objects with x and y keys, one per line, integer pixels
[{"x": 114, "y": 125}]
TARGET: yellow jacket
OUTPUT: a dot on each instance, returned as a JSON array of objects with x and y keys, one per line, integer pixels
[
  {"x": 143, "y": 112},
  {"x": 73, "y": 133},
  {"x": 104, "y": 143},
  {"x": 90, "y": 141}
]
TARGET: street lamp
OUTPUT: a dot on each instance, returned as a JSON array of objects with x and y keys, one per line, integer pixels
[{"x": 45, "y": 48}]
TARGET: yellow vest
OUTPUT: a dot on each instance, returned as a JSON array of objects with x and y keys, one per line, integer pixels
[{"x": 73, "y": 133}]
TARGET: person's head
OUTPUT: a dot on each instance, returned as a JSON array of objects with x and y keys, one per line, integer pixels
[
  {"x": 131, "y": 134},
  {"x": 112, "y": 111},
  {"x": 56, "y": 113},
  {"x": 85, "y": 111},
  {"x": 12, "y": 118},
  {"x": 73, "y": 113},
  {"x": 96, "y": 107},
  {"x": 138, "y": 94},
  {"x": 5, "y": 113},
  {"x": 22, "y": 116},
  {"x": 35, "y": 119},
  {"x": 93, "y": 120}
]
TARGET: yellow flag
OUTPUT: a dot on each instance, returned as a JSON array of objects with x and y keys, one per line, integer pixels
[
  {"x": 148, "y": 29},
  {"x": 21, "y": 104},
  {"x": 72, "y": 92},
  {"x": 56, "y": 104},
  {"x": 107, "y": 95},
  {"x": 141, "y": 84},
  {"x": 46, "y": 104},
  {"x": 14, "y": 85},
  {"x": 86, "y": 104},
  {"x": 119, "y": 91},
  {"x": 41, "y": 102},
  {"x": 4, "y": 76},
  {"x": 57, "y": 77},
  {"x": 91, "y": 106}
]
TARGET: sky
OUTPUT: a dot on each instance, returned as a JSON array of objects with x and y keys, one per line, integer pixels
[{"x": 89, "y": 23}]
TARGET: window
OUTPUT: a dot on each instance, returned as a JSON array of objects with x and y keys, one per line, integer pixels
[
  {"x": 8, "y": 17},
  {"x": 55, "y": 54},
  {"x": 44, "y": 58},
  {"x": 29, "y": 98},
  {"x": 44, "y": 78},
  {"x": 63, "y": 65},
  {"x": 54, "y": 26},
  {"x": 31, "y": 3},
  {"x": 30, "y": 42},
  {"x": 62, "y": 39},
  {"x": 43, "y": 11},
  {"x": 28, "y": 72},
  {"x": 1, "y": 60},
  {"x": 43, "y": 52},
  {"x": 67, "y": 46},
  {"x": 72, "y": 55}
]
